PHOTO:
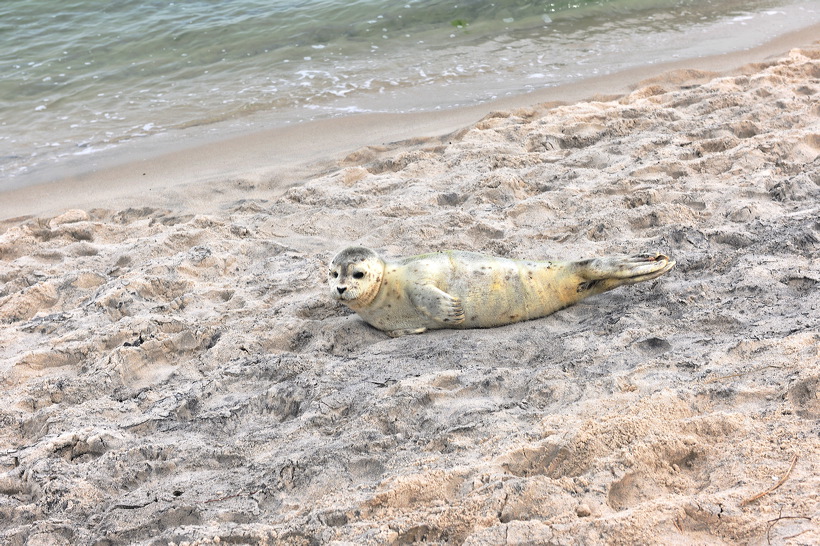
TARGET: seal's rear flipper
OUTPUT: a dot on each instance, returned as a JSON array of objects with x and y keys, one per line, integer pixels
[{"x": 602, "y": 274}]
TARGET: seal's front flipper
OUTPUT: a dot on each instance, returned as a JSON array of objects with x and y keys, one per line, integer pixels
[
  {"x": 602, "y": 274},
  {"x": 436, "y": 304}
]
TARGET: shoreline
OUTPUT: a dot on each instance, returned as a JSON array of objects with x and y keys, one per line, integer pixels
[{"x": 265, "y": 163}]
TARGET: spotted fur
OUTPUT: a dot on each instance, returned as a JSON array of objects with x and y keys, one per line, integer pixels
[{"x": 457, "y": 289}]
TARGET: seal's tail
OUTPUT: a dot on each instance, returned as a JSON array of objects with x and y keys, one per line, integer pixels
[{"x": 601, "y": 274}]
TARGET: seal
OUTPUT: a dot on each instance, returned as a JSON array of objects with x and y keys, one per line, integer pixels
[{"x": 456, "y": 289}]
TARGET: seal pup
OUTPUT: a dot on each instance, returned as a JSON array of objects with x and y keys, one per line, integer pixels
[{"x": 456, "y": 289}]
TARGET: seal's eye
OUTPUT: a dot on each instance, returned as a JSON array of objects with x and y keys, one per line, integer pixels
[
  {"x": 358, "y": 275},
  {"x": 335, "y": 274}
]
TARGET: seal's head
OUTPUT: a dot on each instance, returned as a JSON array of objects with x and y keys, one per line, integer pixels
[{"x": 355, "y": 276}]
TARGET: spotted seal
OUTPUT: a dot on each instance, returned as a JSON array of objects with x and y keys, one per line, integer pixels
[{"x": 458, "y": 289}]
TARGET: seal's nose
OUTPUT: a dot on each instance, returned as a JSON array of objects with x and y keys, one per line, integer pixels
[{"x": 341, "y": 289}]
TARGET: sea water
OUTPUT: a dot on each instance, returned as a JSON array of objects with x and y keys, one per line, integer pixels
[{"x": 82, "y": 77}]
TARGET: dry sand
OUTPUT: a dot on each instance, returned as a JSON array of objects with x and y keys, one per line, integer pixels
[{"x": 173, "y": 376}]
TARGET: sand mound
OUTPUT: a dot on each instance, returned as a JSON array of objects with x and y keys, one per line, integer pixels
[{"x": 174, "y": 377}]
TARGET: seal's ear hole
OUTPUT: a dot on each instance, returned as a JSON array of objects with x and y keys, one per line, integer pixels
[{"x": 358, "y": 275}]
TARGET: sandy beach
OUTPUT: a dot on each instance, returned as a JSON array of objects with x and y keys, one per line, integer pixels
[{"x": 174, "y": 372}]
